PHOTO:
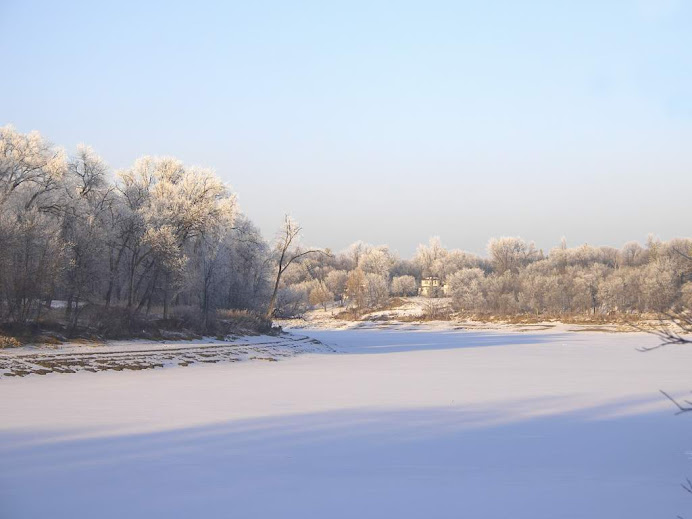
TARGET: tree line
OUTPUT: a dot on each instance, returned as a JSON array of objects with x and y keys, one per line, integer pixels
[
  {"x": 162, "y": 241},
  {"x": 514, "y": 278},
  {"x": 159, "y": 237}
]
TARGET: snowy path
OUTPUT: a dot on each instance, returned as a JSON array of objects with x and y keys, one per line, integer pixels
[{"x": 404, "y": 424}]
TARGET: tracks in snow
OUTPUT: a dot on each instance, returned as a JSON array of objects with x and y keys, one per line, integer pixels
[{"x": 154, "y": 355}]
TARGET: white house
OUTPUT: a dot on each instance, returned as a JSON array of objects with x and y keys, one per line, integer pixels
[{"x": 432, "y": 286}]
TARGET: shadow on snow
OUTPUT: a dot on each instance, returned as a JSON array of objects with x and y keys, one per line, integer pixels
[{"x": 451, "y": 462}]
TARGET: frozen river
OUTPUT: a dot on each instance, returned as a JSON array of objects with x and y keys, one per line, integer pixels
[{"x": 398, "y": 423}]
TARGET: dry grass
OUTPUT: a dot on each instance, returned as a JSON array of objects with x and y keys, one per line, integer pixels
[
  {"x": 437, "y": 310},
  {"x": 229, "y": 322},
  {"x": 9, "y": 342},
  {"x": 394, "y": 302}
]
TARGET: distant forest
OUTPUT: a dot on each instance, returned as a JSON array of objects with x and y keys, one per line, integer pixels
[
  {"x": 165, "y": 245},
  {"x": 514, "y": 279}
]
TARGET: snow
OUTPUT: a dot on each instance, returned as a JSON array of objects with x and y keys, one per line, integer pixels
[
  {"x": 143, "y": 354},
  {"x": 411, "y": 422},
  {"x": 409, "y": 308},
  {"x": 410, "y": 314}
]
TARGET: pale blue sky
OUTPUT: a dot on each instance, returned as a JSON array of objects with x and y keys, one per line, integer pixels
[{"x": 383, "y": 121}]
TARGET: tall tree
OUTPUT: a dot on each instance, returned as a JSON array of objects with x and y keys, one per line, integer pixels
[{"x": 286, "y": 252}]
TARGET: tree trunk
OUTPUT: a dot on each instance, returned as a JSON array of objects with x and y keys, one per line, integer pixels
[
  {"x": 165, "y": 300},
  {"x": 272, "y": 301}
]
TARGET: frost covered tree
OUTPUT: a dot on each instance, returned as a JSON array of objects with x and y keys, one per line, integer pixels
[
  {"x": 243, "y": 278},
  {"x": 376, "y": 260},
  {"x": 428, "y": 257},
  {"x": 32, "y": 252},
  {"x": 510, "y": 254},
  {"x": 163, "y": 240},
  {"x": 376, "y": 290},
  {"x": 174, "y": 210},
  {"x": 686, "y": 295},
  {"x": 466, "y": 290},
  {"x": 294, "y": 300},
  {"x": 336, "y": 283},
  {"x": 517, "y": 278},
  {"x": 538, "y": 290},
  {"x": 632, "y": 255},
  {"x": 660, "y": 284},
  {"x": 404, "y": 286},
  {"x": 321, "y": 296},
  {"x": 86, "y": 202},
  {"x": 160, "y": 234},
  {"x": 30, "y": 168},
  {"x": 621, "y": 291},
  {"x": 33, "y": 256},
  {"x": 356, "y": 290}
]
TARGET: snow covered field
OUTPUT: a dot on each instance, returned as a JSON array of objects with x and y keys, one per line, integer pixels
[{"x": 401, "y": 423}]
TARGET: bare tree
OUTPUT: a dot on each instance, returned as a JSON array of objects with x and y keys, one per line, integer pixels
[
  {"x": 287, "y": 252},
  {"x": 675, "y": 328}
]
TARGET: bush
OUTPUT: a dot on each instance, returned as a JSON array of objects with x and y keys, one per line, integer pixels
[{"x": 436, "y": 310}]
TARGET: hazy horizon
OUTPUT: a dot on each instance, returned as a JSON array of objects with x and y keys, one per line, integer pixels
[{"x": 382, "y": 123}]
